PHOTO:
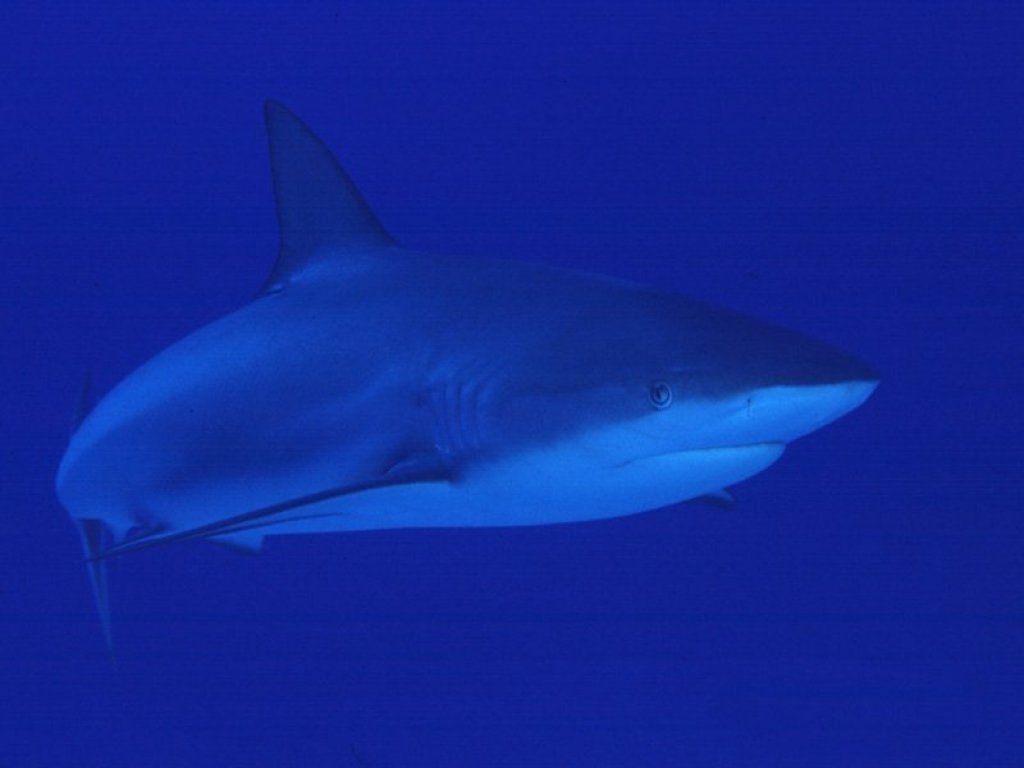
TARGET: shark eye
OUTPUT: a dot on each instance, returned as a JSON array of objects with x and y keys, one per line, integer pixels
[{"x": 660, "y": 394}]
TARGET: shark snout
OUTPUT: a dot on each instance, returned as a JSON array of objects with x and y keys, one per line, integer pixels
[
  {"x": 795, "y": 386},
  {"x": 761, "y": 415},
  {"x": 784, "y": 413},
  {"x": 822, "y": 384}
]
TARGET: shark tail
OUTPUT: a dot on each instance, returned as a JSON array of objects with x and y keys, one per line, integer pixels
[
  {"x": 93, "y": 533},
  {"x": 94, "y": 540},
  {"x": 86, "y": 401}
]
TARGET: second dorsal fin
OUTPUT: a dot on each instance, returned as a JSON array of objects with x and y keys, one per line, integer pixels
[{"x": 320, "y": 212}]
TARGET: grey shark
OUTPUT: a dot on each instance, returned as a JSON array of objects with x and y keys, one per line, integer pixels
[{"x": 368, "y": 386}]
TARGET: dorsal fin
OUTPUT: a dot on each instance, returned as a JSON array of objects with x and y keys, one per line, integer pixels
[{"x": 320, "y": 212}]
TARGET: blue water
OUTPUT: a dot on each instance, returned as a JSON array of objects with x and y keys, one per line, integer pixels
[{"x": 855, "y": 171}]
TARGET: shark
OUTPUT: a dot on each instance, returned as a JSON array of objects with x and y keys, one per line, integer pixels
[{"x": 369, "y": 386}]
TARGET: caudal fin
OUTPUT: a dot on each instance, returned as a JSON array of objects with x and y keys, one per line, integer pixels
[
  {"x": 85, "y": 402},
  {"x": 94, "y": 541}
]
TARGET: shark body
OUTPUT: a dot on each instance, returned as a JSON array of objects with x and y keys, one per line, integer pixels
[{"x": 368, "y": 386}]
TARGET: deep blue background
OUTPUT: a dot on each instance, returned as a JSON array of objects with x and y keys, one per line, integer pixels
[{"x": 854, "y": 171}]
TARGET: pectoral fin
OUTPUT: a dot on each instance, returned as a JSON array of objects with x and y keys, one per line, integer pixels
[
  {"x": 723, "y": 499},
  {"x": 249, "y": 542},
  {"x": 252, "y": 524}
]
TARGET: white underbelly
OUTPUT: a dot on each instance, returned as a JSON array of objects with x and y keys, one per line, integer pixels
[{"x": 539, "y": 489}]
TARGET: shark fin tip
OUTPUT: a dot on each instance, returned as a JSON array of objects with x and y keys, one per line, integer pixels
[{"x": 94, "y": 535}]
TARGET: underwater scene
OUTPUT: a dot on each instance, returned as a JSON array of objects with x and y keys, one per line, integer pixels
[{"x": 512, "y": 384}]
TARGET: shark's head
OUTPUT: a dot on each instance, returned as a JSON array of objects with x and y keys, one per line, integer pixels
[{"x": 663, "y": 397}]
